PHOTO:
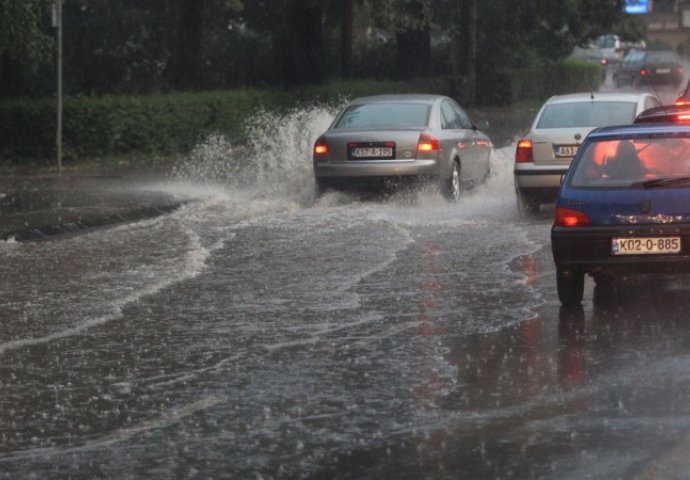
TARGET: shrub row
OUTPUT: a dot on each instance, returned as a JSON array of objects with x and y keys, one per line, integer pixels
[
  {"x": 95, "y": 126},
  {"x": 564, "y": 77},
  {"x": 174, "y": 123}
]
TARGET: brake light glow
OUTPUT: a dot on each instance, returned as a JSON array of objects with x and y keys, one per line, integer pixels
[
  {"x": 644, "y": 72},
  {"x": 683, "y": 117},
  {"x": 682, "y": 102},
  {"x": 427, "y": 143},
  {"x": 523, "y": 152},
  {"x": 604, "y": 61},
  {"x": 567, "y": 217},
  {"x": 320, "y": 147}
]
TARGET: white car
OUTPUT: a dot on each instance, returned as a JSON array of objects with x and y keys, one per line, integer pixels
[
  {"x": 611, "y": 49},
  {"x": 543, "y": 156}
]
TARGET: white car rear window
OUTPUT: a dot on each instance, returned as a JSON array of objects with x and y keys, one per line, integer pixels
[{"x": 587, "y": 114}]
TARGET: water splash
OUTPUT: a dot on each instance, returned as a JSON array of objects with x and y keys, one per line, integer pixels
[
  {"x": 275, "y": 159},
  {"x": 274, "y": 163}
]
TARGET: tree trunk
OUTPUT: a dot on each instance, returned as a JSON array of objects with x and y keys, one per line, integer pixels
[
  {"x": 299, "y": 44},
  {"x": 471, "y": 66},
  {"x": 3, "y": 84},
  {"x": 456, "y": 41},
  {"x": 10, "y": 77},
  {"x": 347, "y": 36},
  {"x": 470, "y": 58},
  {"x": 190, "y": 27},
  {"x": 413, "y": 53}
]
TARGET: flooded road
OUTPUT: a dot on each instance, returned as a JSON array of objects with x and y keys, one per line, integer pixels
[{"x": 259, "y": 332}]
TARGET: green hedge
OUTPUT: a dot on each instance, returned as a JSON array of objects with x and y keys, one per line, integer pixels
[
  {"x": 175, "y": 123},
  {"x": 95, "y": 126},
  {"x": 558, "y": 78}
]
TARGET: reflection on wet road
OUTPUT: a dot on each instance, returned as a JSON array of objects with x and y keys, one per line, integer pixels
[{"x": 255, "y": 334}]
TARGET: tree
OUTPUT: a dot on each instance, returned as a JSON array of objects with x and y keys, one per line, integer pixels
[
  {"x": 469, "y": 17},
  {"x": 304, "y": 38},
  {"x": 533, "y": 31},
  {"x": 188, "y": 44},
  {"x": 117, "y": 46},
  {"x": 347, "y": 35},
  {"x": 139, "y": 46},
  {"x": 411, "y": 20},
  {"x": 198, "y": 22},
  {"x": 26, "y": 43},
  {"x": 296, "y": 32}
]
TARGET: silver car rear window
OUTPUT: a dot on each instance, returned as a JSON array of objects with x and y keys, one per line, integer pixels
[
  {"x": 385, "y": 115},
  {"x": 587, "y": 114}
]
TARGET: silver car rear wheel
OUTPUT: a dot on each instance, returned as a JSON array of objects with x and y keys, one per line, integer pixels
[
  {"x": 452, "y": 186},
  {"x": 527, "y": 206},
  {"x": 320, "y": 186}
]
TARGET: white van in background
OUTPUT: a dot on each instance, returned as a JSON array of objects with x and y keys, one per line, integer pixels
[{"x": 611, "y": 49}]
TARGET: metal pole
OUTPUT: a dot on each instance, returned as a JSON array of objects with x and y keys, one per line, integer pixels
[{"x": 59, "y": 86}]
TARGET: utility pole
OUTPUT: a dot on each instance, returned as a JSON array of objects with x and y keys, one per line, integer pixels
[{"x": 57, "y": 23}]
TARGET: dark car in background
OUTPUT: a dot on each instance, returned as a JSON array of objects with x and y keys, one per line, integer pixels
[
  {"x": 613, "y": 49},
  {"x": 665, "y": 114},
  {"x": 388, "y": 139},
  {"x": 649, "y": 67},
  {"x": 623, "y": 208}
]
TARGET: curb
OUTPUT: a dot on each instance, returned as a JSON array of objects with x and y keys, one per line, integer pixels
[{"x": 47, "y": 232}]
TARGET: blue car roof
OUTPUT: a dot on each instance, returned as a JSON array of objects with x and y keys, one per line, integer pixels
[{"x": 627, "y": 131}]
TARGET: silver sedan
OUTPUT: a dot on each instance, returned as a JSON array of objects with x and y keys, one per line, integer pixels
[{"x": 387, "y": 139}]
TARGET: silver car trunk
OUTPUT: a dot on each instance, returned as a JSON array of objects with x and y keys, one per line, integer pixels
[{"x": 405, "y": 142}]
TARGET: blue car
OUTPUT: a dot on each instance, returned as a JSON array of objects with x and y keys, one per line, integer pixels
[{"x": 623, "y": 207}]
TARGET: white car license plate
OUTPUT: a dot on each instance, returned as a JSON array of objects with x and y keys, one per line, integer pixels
[
  {"x": 372, "y": 152},
  {"x": 645, "y": 245},
  {"x": 663, "y": 70},
  {"x": 566, "y": 150}
]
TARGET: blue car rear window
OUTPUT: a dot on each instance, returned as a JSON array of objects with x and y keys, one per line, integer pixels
[
  {"x": 621, "y": 163},
  {"x": 385, "y": 115},
  {"x": 586, "y": 114}
]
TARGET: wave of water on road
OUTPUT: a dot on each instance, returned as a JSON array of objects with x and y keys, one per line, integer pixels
[
  {"x": 268, "y": 180},
  {"x": 275, "y": 165},
  {"x": 272, "y": 175},
  {"x": 301, "y": 275}
]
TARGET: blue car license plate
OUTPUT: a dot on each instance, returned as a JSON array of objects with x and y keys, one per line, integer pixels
[{"x": 645, "y": 245}]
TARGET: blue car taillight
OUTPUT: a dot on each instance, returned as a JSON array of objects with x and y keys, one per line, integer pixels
[{"x": 568, "y": 217}]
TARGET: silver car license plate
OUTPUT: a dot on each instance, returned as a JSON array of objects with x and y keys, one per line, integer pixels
[
  {"x": 372, "y": 152},
  {"x": 645, "y": 245}
]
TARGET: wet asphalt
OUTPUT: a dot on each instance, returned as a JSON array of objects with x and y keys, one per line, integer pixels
[{"x": 41, "y": 206}]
